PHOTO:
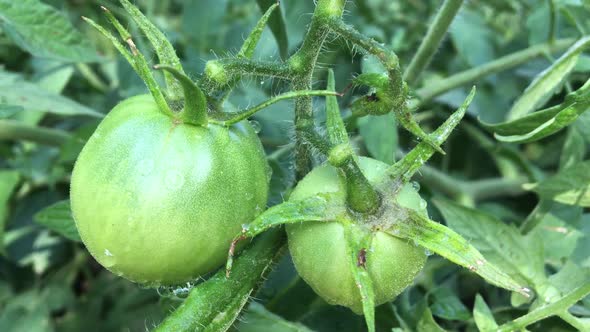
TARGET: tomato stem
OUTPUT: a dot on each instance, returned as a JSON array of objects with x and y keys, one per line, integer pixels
[
  {"x": 396, "y": 91},
  {"x": 432, "y": 40},
  {"x": 16, "y": 130},
  {"x": 360, "y": 194},
  {"x": 438, "y": 88},
  {"x": 236, "y": 117},
  {"x": 303, "y": 63}
]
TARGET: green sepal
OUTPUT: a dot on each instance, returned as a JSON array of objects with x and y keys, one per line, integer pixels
[
  {"x": 334, "y": 123},
  {"x": 249, "y": 45},
  {"x": 316, "y": 208},
  {"x": 134, "y": 57},
  {"x": 164, "y": 49},
  {"x": 452, "y": 246},
  {"x": 195, "y": 102},
  {"x": 405, "y": 168},
  {"x": 358, "y": 245},
  {"x": 276, "y": 23}
]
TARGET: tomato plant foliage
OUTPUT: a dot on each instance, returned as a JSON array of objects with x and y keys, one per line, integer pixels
[{"x": 161, "y": 140}]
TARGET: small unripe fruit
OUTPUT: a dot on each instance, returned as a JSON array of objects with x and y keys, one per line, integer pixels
[
  {"x": 158, "y": 201},
  {"x": 319, "y": 248}
]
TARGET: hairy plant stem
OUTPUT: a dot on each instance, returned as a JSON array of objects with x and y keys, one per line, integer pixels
[
  {"x": 548, "y": 310},
  {"x": 14, "y": 130},
  {"x": 433, "y": 38},
  {"x": 471, "y": 75},
  {"x": 232, "y": 69},
  {"x": 302, "y": 63}
]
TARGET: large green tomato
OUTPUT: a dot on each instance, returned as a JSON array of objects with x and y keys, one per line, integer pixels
[
  {"x": 158, "y": 201},
  {"x": 319, "y": 248}
]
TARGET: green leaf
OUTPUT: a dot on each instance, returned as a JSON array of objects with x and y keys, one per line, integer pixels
[
  {"x": 520, "y": 257},
  {"x": 570, "y": 277},
  {"x": 258, "y": 319},
  {"x": 447, "y": 305},
  {"x": 476, "y": 46},
  {"x": 58, "y": 218},
  {"x": 574, "y": 148},
  {"x": 427, "y": 322},
  {"x": 541, "y": 124},
  {"x": 569, "y": 186},
  {"x": 536, "y": 24},
  {"x": 547, "y": 82},
  {"x": 215, "y": 304},
  {"x": 8, "y": 181},
  {"x": 277, "y": 26},
  {"x": 484, "y": 320},
  {"x": 43, "y": 31},
  {"x": 7, "y": 111},
  {"x": 380, "y": 136},
  {"x": 558, "y": 232},
  {"x": 31, "y": 97}
]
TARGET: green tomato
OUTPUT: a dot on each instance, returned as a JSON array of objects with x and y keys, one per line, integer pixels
[
  {"x": 158, "y": 201},
  {"x": 319, "y": 248}
]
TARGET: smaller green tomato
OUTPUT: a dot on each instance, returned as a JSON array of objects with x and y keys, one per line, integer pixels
[
  {"x": 319, "y": 248},
  {"x": 158, "y": 201}
]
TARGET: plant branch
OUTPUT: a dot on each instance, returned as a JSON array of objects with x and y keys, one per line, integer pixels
[
  {"x": 547, "y": 310},
  {"x": 241, "y": 115},
  {"x": 14, "y": 130},
  {"x": 477, "y": 189},
  {"x": 471, "y": 75},
  {"x": 433, "y": 38},
  {"x": 219, "y": 73},
  {"x": 302, "y": 63}
]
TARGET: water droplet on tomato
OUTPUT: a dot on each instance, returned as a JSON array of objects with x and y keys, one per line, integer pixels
[
  {"x": 108, "y": 259},
  {"x": 256, "y": 126},
  {"x": 422, "y": 204},
  {"x": 173, "y": 179},
  {"x": 416, "y": 185}
]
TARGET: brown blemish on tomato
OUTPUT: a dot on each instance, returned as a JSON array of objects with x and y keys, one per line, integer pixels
[{"x": 361, "y": 260}]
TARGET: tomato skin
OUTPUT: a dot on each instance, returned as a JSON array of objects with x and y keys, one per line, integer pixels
[
  {"x": 319, "y": 252},
  {"x": 158, "y": 201}
]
